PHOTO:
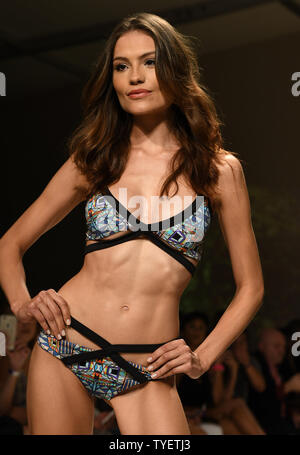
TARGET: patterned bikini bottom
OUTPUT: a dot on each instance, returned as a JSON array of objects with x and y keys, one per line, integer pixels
[{"x": 104, "y": 373}]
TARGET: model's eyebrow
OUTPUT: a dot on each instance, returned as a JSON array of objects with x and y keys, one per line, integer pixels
[{"x": 140, "y": 57}]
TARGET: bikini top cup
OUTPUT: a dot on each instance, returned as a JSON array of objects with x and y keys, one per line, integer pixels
[{"x": 180, "y": 236}]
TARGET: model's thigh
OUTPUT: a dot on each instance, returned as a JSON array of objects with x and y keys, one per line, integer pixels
[
  {"x": 57, "y": 402},
  {"x": 154, "y": 408}
]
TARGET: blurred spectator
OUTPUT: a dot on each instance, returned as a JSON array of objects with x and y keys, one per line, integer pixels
[
  {"x": 105, "y": 420},
  {"x": 13, "y": 415},
  {"x": 195, "y": 394},
  {"x": 249, "y": 370},
  {"x": 292, "y": 403},
  {"x": 291, "y": 363},
  {"x": 210, "y": 397},
  {"x": 269, "y": 406},
  {"x": 232, "y": 412}
]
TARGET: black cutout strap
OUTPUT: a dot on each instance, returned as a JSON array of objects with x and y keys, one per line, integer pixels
[
  {"x": 176, "y": 254},
  {"x": 111, "y": 350},
  {"x": 110, "y": 242},
  {"x": 135, "y": 234}
]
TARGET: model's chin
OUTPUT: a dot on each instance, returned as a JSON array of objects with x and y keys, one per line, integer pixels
[{"x": 143, "y": 108}]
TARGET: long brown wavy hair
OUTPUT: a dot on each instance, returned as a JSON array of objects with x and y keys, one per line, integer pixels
[{"x": 100, "y": 144}]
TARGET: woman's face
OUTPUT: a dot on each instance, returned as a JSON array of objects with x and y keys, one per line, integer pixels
[
  {"x": 134, "y": 69},
  {"x": 195, "y": 331}
]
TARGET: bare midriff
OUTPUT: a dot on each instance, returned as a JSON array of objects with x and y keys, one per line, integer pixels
[{"x": 128, "y": 293}]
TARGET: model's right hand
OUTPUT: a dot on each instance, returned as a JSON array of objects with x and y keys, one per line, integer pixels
[{"x": 50, "y": 310}]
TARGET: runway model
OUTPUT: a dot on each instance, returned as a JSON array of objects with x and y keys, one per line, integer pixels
[{"x": 148, "y": 161}]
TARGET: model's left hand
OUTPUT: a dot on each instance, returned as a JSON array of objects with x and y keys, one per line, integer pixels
[{"x": 175, "y": 357}]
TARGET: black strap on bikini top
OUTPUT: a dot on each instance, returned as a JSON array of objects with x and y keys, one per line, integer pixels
[
  {"x": 110, "y": 350},
  {"x": 135, "y": 234}
]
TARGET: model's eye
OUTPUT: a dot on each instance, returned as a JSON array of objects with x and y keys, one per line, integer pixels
[
  {"x": 150, "y": 60},
  {"x": 119, "y": 67}
]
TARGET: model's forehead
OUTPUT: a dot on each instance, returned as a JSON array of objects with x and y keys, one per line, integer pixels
[{"x": 133, "y": 43}]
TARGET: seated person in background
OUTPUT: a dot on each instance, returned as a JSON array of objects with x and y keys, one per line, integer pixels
[
  {"x": 13, "y": 416},
  {"x": 209, "y": 395},
  {"x": 195, "y": 393},
  {"x": 105, "y": 420},
  {"x": 292, "y": 407},
  {"x": 269, "y": 405},
  {"x": 232, "y": 412},
  {"x": 291, "y": 363},
  {"x": 249, "y": 370}
]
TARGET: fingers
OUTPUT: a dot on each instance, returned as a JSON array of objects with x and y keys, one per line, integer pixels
[
  {"x": 34, "y": 310},
  {"x": 176, "y": 370},
  {"x": 171, "y": 358},
  {"x": 51, "y": 311},
  {"x": 63, "y": 306},
  {"x": 50, "y": 314},
  {"x": 55, "y": 317},
  {"x": 164, "y": 349}
]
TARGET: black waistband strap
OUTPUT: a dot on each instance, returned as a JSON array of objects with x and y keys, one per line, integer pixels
[
  {"x": 111, "y": 350},
  {"x": 107, "y": 351},
  {"x": 97, "y": 339},
  {"x": 96, "y": 354}
]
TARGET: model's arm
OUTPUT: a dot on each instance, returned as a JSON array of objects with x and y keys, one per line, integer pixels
[
  {"x": 64, "y": 191},
  {"x": 235, "y": 222}
]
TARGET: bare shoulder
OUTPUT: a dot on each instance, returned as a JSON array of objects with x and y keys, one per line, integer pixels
[
  {"x": 230, "y": 168},
  {"x": 231, "y": 174},
  {"x": 231, "y": 183}
]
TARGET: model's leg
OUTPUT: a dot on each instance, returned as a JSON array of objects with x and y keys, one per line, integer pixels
[
  {"x": 153, "y": 408},
  {"x": 57, "y": 402}
]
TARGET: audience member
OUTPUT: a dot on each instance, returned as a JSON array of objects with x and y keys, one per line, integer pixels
[
  {"x": 105, "y": 420},
  {"x": 209, "y": 396},
  {"x": 269, "y": 405},
  {"x": 194, "y": 393},
  {"x": 232, "y": 412},
  {"x": 291, "y": 363},
  {"x": 13, "y": 416},
  {"x": 249, "y": 370}
]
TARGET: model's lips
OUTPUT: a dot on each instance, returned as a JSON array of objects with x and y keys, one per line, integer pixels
[{"x": 138, "y": 93}]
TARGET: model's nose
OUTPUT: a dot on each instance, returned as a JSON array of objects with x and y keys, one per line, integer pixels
[{"x": 137, "y": 75}]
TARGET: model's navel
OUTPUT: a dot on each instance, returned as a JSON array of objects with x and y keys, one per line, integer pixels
[{"x": 124, "y": 307}]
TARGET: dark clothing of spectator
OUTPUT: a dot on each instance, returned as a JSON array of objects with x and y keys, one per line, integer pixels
[
  {"x": 268, "y": 406},
  {"x": 195, "y": 392},
  {"x": 10, "y": 426},
  {"x": 242, "y": 385},
  {"x": 288, "y": 367}
]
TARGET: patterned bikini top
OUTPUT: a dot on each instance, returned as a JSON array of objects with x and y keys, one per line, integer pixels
[{"x": 180, "y": 236}]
